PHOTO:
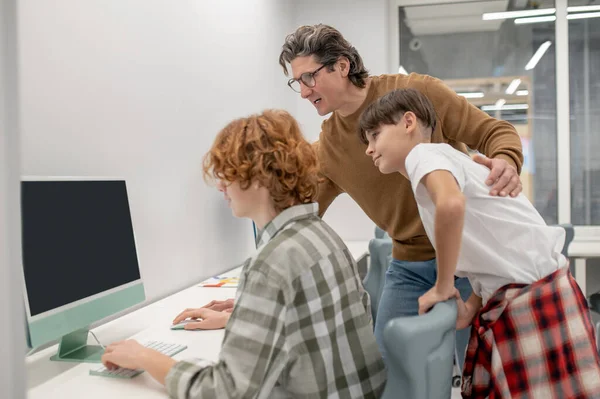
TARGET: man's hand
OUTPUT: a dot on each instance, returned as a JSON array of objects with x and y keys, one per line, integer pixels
[
  {"x": 206, "y": 319},
  {"x": 220, "y": 306},
  {"x": 503, "y": 176},
  {"x": 435, "y": 295}
]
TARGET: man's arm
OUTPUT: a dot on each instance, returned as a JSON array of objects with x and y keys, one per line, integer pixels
[
  {"x": 449, "y": 218},
  {"x": 328, "y": 190},
  {"x": 498, "y": 140}
]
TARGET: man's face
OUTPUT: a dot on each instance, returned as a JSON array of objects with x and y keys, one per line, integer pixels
[{"x": 327, "y": 93}]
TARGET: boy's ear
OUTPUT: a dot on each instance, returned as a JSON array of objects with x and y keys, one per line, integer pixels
[{"x": 411, "y": 122}]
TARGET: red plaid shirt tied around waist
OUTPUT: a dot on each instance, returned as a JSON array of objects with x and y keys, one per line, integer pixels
[{"x": 533, "y": 341}]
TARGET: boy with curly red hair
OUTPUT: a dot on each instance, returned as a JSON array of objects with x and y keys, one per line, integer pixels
[{"x": 301, "y": 323}]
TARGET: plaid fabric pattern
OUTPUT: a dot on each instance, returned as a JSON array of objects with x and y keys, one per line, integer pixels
[
  {"x": 300, "y": 326},
  {"x": 533, "y": 341}
]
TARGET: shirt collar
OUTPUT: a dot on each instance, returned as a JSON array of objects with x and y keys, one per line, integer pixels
[{"x": 291, "y": 214}]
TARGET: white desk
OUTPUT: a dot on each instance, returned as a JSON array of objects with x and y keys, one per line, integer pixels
[{"x": 63, "y": 380}]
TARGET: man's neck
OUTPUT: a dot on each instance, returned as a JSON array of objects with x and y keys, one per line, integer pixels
[{"x": 354, "y": 98}]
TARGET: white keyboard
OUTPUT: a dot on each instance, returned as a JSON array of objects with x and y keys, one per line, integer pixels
[{"x": 119, "y": 372}]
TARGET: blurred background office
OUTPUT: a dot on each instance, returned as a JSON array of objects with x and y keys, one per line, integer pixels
[{"x": 139, "y": 88}]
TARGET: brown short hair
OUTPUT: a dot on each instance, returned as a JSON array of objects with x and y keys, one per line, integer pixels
[
  {"x": 267, "y": 148},
  {"x": 327, "y": 45},
  {"x": 389, "y": 109}
]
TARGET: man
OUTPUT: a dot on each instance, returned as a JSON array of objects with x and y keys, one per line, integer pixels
[{"x": 328, "y": 71}]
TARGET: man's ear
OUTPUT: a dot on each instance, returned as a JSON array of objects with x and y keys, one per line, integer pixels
[{"x": 344, "y": 66}]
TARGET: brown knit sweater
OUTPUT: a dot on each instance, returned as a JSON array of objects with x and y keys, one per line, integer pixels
[{"x": 388, "y": 199}]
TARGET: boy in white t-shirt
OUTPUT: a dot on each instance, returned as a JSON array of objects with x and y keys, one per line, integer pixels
[{"x": 531, "y": 334}]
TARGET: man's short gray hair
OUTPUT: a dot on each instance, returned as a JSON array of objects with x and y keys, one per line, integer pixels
[{"x": 326, "y": 44}]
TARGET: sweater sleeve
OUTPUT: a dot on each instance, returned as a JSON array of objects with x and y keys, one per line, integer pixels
[
  {"x": 463, "y": 122},
  {"x": 328, "y": 190}
]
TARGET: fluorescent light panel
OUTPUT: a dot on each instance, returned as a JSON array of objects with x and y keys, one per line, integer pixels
[
  {"x": 534, "y": 20},
  {"x": 583, "y": 8},
  {"x": 542, "y": 15},
  {"x": 505, "y": 107},
  {"x": 584, "y": 15},
  {"x": 522, "y": 92},
  {"x": 538, "y": 55},
  {"x": 490, "y": 16},
  {"x": 473, "y": 94},
  {"x": 512, "y": 87}
]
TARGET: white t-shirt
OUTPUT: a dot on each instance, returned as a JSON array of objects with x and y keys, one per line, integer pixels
[{"x": 505, "y": 240}]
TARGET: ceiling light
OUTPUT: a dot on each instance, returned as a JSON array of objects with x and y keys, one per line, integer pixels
[
  {"x": 584, "y": 15},
  {"x": 522, "y": 92},
  {"x": 538, "y": 55},
  {"x": 517, "y": 14},
  {"x": 583, "y": 8},
  {"x": 533, "y": 20},
  {"x": 505, "y": 107},
  {"x": 513, "y": 86},
  {"x": 541, "y": 15},
  {"x": 472, "y": 94}
]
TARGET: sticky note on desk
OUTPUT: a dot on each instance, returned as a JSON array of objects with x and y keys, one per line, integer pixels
[{"x": 226, "y": 282}]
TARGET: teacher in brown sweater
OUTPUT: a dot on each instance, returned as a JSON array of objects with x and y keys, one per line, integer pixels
[{"x": 328, "y": 71}]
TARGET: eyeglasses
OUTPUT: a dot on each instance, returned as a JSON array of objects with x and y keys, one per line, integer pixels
[{"x": 308, "y": 78}]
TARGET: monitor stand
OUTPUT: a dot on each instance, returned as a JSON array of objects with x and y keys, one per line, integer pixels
[{"x": 73, "y": 347}]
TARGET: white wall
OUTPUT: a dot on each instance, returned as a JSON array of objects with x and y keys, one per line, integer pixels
[
  {"x": 139, "y": 88},
  {"x": 365, "y": 24},
  {"x": 12, "y": 332}
]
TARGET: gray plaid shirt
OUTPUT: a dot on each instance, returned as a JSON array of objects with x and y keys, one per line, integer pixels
[{"x": 300, "y": 326}]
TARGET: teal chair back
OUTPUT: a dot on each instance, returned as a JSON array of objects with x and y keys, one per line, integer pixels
[
  {"x": 380, "y": 254},
  {"x": 420, "y": 354},
  {"x": 569, "y": 235},
  {"x": 380, "y": 233}
]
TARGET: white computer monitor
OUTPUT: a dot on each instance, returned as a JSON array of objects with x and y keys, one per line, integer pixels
[{"x": 80, "y": 262}]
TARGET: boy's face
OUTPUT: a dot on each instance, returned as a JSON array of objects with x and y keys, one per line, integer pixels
[
  {"x": 243, "y": 203},
  {"x": 389, "y": 145}
]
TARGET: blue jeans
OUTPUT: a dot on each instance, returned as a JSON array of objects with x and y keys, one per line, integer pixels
[{"x": 405, "y": 282}]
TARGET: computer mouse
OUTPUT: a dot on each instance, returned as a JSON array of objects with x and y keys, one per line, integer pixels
[{"x": 181, "y": 325}]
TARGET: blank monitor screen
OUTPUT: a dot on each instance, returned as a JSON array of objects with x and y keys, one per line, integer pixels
[{"x": 78, "y": 241}]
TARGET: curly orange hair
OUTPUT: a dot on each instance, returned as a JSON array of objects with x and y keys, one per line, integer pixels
[{"x": 267, "y": 148}]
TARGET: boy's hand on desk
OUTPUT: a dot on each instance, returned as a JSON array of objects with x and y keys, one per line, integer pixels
[
  {"x": 220, "y": 306},
  {"x": 210, "y": 319}
]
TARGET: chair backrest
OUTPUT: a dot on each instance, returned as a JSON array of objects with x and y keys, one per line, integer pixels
[
  {"x": 380, "y": 254},
  {"x": 570, "y": 234},
  {"x": 379, "y": 233},
  {"x": 420, "y": 354}
]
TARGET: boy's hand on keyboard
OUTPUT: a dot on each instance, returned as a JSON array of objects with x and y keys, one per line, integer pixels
[
  {"x": 127, "y": 354},
  {"x": 211, "y": 320}
]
